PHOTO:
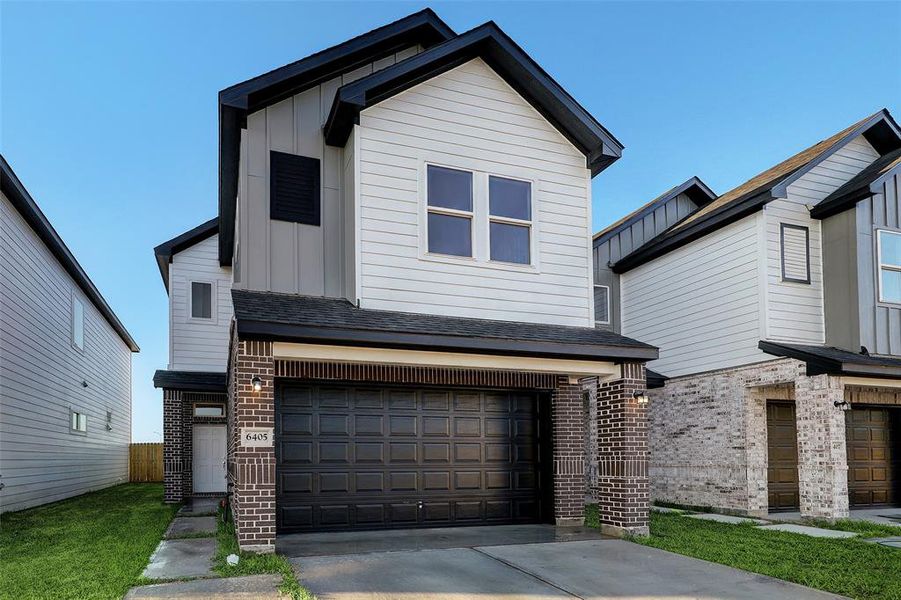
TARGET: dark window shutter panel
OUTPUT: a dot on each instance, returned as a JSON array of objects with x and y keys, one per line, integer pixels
[{"x": 294, "y": 188}]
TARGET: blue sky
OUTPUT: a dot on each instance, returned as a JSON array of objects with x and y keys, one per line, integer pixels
[{"x": 108, "y": 110}]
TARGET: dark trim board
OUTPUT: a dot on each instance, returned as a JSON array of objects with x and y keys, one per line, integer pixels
[
  {"x": 165, "y": 251},
  {"x": 190, "y": 381},
  {"x": 806, "y": 230},
  {"x": 22, "y": 201},
  {"x": 236, "y": 102},
  {"x": 824, "y": 360},
  {"x": 860, "y": 187}
]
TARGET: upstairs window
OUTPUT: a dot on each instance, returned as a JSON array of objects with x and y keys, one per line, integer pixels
[
  {"x": 889, "y": 251},
  {"x": 795, "y": 246},
  {"x": 201, "y": 300},
  {"x": 449, "y": 211},
  {"x": 77, "y": 323},
  {"x": 510, "y": 220},
  {"x": 601, "y": 304}
]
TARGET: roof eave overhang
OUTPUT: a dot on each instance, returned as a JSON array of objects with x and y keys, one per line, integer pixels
[
  {"x": 165, "y": 251},
  {"x": 271, "y": 331},
  {"x": 824, "y": 210},
  {"x": 716, "y": 220},
  {"x": 819, "y": 365},
  {"x": 188, "y": 381},
  {"x": 492, "y": 45},
  {"x": 238, "y": 101}
]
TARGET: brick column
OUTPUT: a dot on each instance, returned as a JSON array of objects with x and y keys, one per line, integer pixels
[
  {"x": 623, "y": 494},
  {"x": 569, "y": 453},
  {"x": 822, "y": 450},
  {"x": 253, "y": 488},
  {"x": 173, "y": 450}
]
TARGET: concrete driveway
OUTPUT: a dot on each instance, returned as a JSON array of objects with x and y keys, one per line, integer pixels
[{"x": 586, "y": 566}]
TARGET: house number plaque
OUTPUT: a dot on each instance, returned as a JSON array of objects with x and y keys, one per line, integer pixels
[{"x": 256, "y": 437}]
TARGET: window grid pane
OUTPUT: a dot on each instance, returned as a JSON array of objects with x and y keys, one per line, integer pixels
[
  {"x": 510, "y": 243},
  {"x": 509, "y": 198},
  {"x": 201, "y": 300},
  {"x": 890, "y": 284},
  {"x": 78, "y": 323},
  {"x": 449, "y": 188},
  {"x": 449, "y": 234},
  {"x": 890, "y": 248}
]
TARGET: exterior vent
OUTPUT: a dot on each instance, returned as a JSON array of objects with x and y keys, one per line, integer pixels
[
  {"x": 294, "y": 188},
  {"x": 795, "y": 242}
]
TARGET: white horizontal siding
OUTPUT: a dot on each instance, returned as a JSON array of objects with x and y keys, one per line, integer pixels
[
  {"x": 41, "y": 377},
  {"x": 700, "y": 304},
  {"x": 795, "y": 311},
  {"x": 470, "y": 118},
  {"x": 199, "y": 345}
]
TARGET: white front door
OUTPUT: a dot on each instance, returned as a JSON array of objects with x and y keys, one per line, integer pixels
[{"x": 209, "y": 458}]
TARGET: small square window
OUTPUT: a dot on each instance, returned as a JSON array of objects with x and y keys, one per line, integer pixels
[
  {"x": 77, "y": 323},
  {"x": 209, "y": 410},
  {"x": 201, "y": 300},
  {"x": 78, "y": 422}
]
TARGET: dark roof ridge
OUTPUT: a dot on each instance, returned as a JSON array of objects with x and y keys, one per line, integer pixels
[{"x": 165, "y": 251}]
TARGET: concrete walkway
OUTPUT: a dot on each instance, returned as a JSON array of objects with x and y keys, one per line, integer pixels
[
  {"x": 590, "y": 569},
  {"x": 252, "y": 587}
]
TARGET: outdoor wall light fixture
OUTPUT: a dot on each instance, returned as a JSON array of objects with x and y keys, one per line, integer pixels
[
  {"x": 256, "y": 383},
  {"x": 641, "y": 398},
  {"x": 842, "y": 404}
]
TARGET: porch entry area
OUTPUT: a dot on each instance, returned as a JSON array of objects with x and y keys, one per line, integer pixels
[{"x": 209, "y": 459}]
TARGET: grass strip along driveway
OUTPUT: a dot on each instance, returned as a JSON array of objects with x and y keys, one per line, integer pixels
[
  {"x": 91, "y": 546},
  {"x": 850, "y": 567}
]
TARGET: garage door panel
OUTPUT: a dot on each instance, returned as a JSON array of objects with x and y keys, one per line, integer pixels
[
  {"x": 873, "y": 466},
  {"x": 362, "y": 457}
]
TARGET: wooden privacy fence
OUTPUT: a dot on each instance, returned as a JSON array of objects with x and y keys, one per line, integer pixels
[{"x": 145, "y": 462}]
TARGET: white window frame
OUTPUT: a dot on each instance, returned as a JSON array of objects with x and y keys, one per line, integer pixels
[
  {"x": 880, "y": 265},
  {"x": 451, "y": 212},
  {"x": 213, "y": 301},
  {"x": 509, "y": 220},
  {"x": 480, "y": 219},
  {"x": 78, "y": 418},
  {"x": 596, "y": 321},
  {"x": 76, "y": 322}
]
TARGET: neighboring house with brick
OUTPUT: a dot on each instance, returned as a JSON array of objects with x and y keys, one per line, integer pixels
[
  {"x": 393, "y": 313},
  {"x": 777, "y": 310},
  {"x": 65, "y": 365}
]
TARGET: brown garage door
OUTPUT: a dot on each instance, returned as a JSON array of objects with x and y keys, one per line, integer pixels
[
  {"x": 874, "y": 459},
  {"x": 356, "y": 457},
  {"x": 782, "y": 455}
]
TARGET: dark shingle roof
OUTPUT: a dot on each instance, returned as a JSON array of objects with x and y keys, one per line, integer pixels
[
  {"x": 328, "y": 320},
  {"x": 835, "y": 361},
  {"x": 857, "y": 188},
  {"x": 165, "y": 251},
  {"x": 197, "y": 381}
]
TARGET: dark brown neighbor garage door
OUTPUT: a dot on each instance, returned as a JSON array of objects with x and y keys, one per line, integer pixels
[
  {"x": 360, "y": 457},
  {"x": 874, "y": 458},
  {"x": 782, "y": 455}
]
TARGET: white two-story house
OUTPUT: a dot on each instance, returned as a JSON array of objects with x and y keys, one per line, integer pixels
[
  {"x": 777, "y": 310},
  {"x": 390, "y": 323}
]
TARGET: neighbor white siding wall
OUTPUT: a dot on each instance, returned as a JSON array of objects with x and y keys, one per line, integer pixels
[
  {"x": 469, "y": 118},
  {"x": 700, "y": 304},
  {"x": 41, "y": 376},
  {"x": 195, "y": 344},
  {"x": 795, "y": 310},
  {"x": 280, "y": 256}
]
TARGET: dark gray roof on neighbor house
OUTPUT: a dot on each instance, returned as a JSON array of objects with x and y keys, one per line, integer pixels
[
  {"x": 423, "y": 28},
  {"x": 858, "y": 187},
  {"x": 880, "y": 130},
  {"x": 655, "y": 379},
  {"x": 22, "y": 201},
  {"x": 696, "y": 190},
  {"x": 165, "y": 251},
  {"x": 288, "y": 317},
  {"x": 835, "y": 361},
  {"x": 190, "y": 381}
]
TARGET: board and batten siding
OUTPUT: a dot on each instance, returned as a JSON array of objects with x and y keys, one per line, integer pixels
[
  {"x": 199, "y": 344},
  {"x": 469, "y": 118},
  {"x": 281, "y": 256},
  {"x": 624, "y": 242},
  {"x": 795, "y": 311},
  {"x": 701, "y": 303},
  {"x": 41, "y": 375}
]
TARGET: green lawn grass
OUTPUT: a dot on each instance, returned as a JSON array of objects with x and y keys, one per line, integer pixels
[
  {"x": 91, "y": 546},
  {"x": 254, "y": 564},
  {"x": 849, "y": 567}
]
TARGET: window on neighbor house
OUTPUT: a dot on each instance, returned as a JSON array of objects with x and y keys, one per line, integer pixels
[
  {"x": 510, "y": 219},
  {"x": 889, "y": 251},
  {"x": 450, "y": 212},
  {"x": 795, "y": 245},
  {"x": 601, "y": 304},
  {"x": 201, "y": 300},
  {"x": 77, "y": 323},
  {"x": 78, "y": 422}
]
